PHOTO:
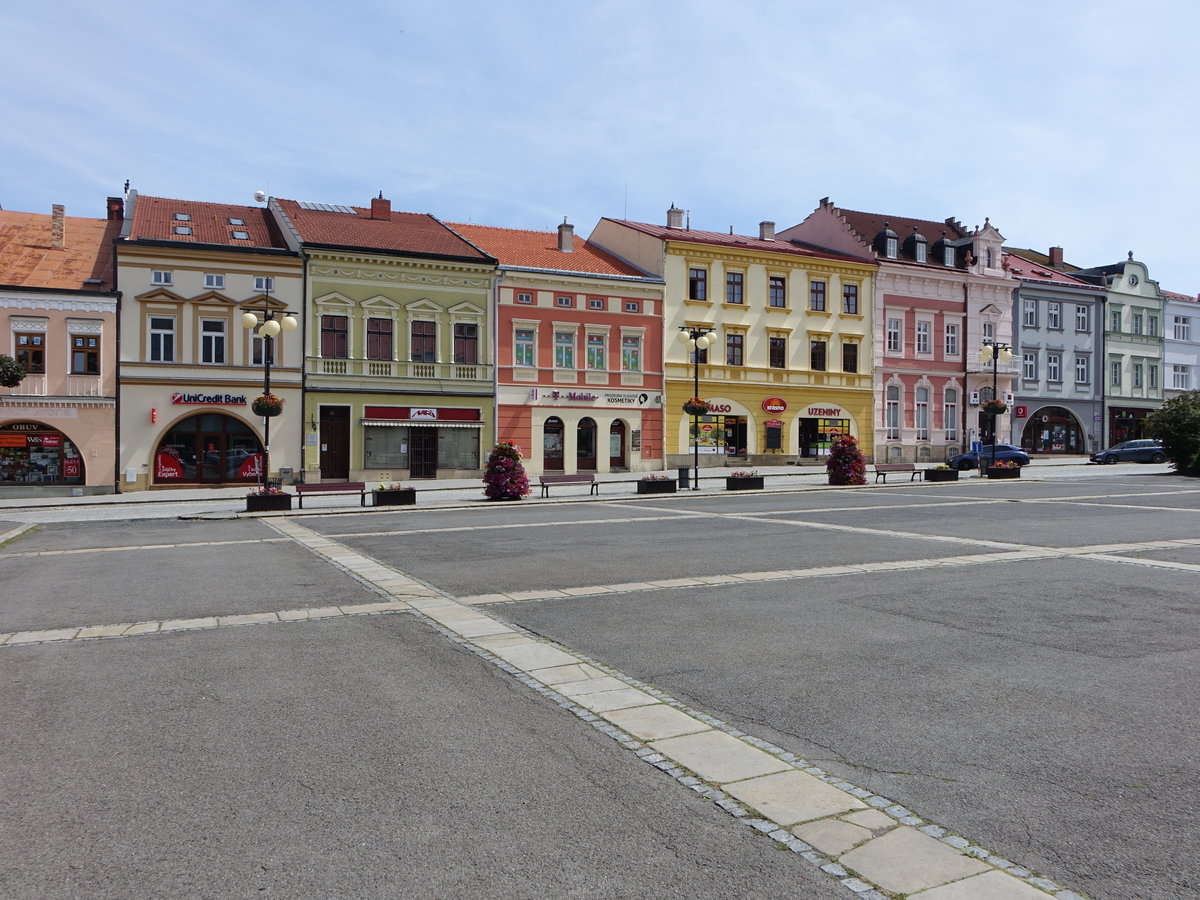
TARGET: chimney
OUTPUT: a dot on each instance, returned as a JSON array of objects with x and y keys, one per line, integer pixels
[
  {"x": 566, "y": 237},
  {"x": 116, "y": 209},
  {"x": 57, "y": 238},
  {"x": 766, "y": 231},
  {"x": 1056, "y": 254},
  {"x": 674, "y": 217},
  {"x": 380, "y": 208}
]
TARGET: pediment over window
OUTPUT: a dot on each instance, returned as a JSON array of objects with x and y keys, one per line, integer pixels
[
  {"x": 160, "y": 295},
  {"x": 467, "y": 309},
  {"x": 333, "y": 299},
  {"x": 991, "y": 309},
  {"x": 212, "y": 298},
  {"x": 425, "y": 305},
  {"x": 379, "y": 302}
]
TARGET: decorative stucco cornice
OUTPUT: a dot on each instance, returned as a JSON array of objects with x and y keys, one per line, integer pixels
[
  {"x": 56, "y": 302},
  {"x": 770, "y": 260},
  {"x": 359, "y": 273}
]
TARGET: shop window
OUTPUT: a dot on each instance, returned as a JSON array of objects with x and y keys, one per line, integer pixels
[
  {"x": 335, "y": 343},
  {"x": 849, "y": 356},
  {"x": 423, "y": 345},
  {"x": 379, "y": 339},
  {"x": 386, "y": 446},
  {"x": 817, "y": 355},
  {"x": 212, "y": 341},
  {"x": 596, "y": 352},
  {"x": 30, "y": 352},
  {"x": 778, "y": 352},
  {"x": 85, "y": 354},
  {"x": 631, "y": 353},
  {"x": 209, "y": 448},
  {"x": 466, "y": 343},
  {"x": 458, "y": 448},
  {"x": 523, "y": 347},
  {"x": 552, "y": 444},
  {"x": 734, "y": 284},
  {"x": 31, "y": 453}
]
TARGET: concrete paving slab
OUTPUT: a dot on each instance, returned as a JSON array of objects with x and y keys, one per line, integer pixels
[
  {"x": 358, "y": 609},
  {"x": 832, "y": 837},
  {"x": 98, "y": 631},
  {"x": 323, "y": 612},
  {"x": 533, "y": 656},
  {"x": 247, "y": 619},
  {"x": 870, "y": 818},
  {"x": 988, "y": 886},
  {"x": 52, "y": 634},
  {"x": 483, "y": 599},
  {"x": 292, "y": 615},
  {"x": 591, "y": 686},
  {"x": 565, "y": 674},
  {"x": 719, "y": 757},
  {"x": 143, "y": 628},
  {"x": 496, "y": 642},
  {"x": 792, "y": 797},
  {"x": 481, "y": 627},
  {"x": 183, "y": 624},
  {"x": 610, "y": 700},
  {"x": 906, "y": 861},
  {"x": 651, "y": 723},
  {"x": 451, "y": 613}
]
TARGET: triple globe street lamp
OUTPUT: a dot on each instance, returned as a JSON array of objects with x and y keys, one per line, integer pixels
[
  {"x": 268, "y": 329},
  {"x": 698, "y": 338}
]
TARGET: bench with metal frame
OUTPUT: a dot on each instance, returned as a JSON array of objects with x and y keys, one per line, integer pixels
[
  {"x": 547, "y": 480},
  {"x": 345, "y": 487}
]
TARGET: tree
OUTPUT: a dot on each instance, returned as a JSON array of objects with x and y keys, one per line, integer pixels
[
  {"x": 505, "y": 477},
  {"x": 846, "y": 464},
  {"x": 1177, "y": 425},
  {"x": 11, "y": 372}
]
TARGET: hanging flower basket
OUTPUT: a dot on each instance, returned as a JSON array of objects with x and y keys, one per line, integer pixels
[
  {"x": 995, "y": 408},
  {"x": 696, "y": 407},
  {"x": 267, "y": 405}
]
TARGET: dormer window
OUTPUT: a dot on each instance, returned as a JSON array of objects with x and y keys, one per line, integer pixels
[
  {"x": 887, "y": 242},
  {"x": 921, "y": 251},
  {"x": 948, "y": 257},
  {"x": 988, "y": 257},
  {"x": 892, "y": 248},
  {"x": 917, "y": 247}
]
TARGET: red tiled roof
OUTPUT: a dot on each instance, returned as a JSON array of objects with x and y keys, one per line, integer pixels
[
  {"x": 737, "y": 241},
  {"x": 867, "y": 225},
  {"x": 28, "y": 259},
  {"x": 154, "y": 220},
  {"x": 1028, "y": 270},
  {"x": 1190, "y": 298},
  {"x": 403, "y": 232},
  {"x": 539, "y": 250}
]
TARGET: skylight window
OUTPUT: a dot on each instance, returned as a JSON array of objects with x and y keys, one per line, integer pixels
[
  {"x": 183, "y": 229},
  {"x": 237, "y": 221},
  {"x": 182, "y": 217},
  {"x": 241, "y": 235}
]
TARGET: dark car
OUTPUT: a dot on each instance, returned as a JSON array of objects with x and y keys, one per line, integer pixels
[
  {"x": 1004, "y": 452},
  {"x": 1131, "y": 451}
]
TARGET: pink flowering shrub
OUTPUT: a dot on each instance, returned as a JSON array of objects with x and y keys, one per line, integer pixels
[
  {"x": 505, "y": 478},
  {"x": 845, "y": 464}
]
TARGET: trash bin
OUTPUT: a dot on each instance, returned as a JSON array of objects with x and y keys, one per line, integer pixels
[{"x": 684, "y": 476}]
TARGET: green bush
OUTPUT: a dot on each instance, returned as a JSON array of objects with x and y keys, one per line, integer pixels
[
  {"x": 1177, "y": 425},
  {"x": 11, "y": 371}
]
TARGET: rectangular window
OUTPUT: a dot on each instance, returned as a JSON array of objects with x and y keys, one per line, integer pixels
[
  {"x": 948, "y": 256},
  {"x": 924, "y": 343},
  {"x": 1054, "y": 367},
  {"x": 633, "y": 306},
  {"x": 466, "y": 343},
  {"x": 85, "y": 354},
  {"x": 816, "y": 355},
  {"x": 256, "y": 350},
  {"x": 922, "y": 413},
  {"x": 1137, "y": 375},
  {"x": 1152, "y": 326},
  {"x": 891, "y": 412},
  {"x": 1054, "y": 316},
  {"x": 335, "y": 342},
  {"x": 595, "y": 303},
  {"x": 1083, "y": 319},
  {"x": 697, "y": 284},
  {"x": 777, "y": 292},
  {"x": 523, "y": 347},
  {"x": 524, "y": 297},
  {"x": 778, "y": 352},
  {"x": 734, "y": 344},
  {"x": 161, "y": 276},
  {"x": 565, "y": 302},
  {"x": 214, "y": 282},
  {"x": 564, "y": 350},
  {"x": 1181, "y": 378},
  {"x": 423, "y": 345},
  {"x": 1029, "y": 319},
  {"x": 458, "y": 448},
  {"x": 1153, "y": 373},
  {"x": 950, "y": 413},
  {"x": 379, "y": 338},
  {"x": 212, "y": 341},
  {"x": 264, "y": 283},
  {"x": 1182, "y": 326},
  {"x": 895, "y": 338},
  {"x": 1137, "y": 323},
  {"x": 1115, "y": 373},
  {"x": 31, "y": 352},
  {"x": 921, "y": 251},
  {"x": 596, "y": 355},
  {"x": 734, "y": 284},
  {"x": 1083, "y": 373},
  {"x": 989, "y": 332},
  {"x": 816, "y": 296},
  {"x": 850, "y": 299},
  {"x": 1029, "y": 365},
  {"x": 951, "y": 339},
  {"x": 849, "y": 356},
  {"x": 631, "y": 353},
  {"x": 1114, "y": 320},
  {"x": 162, "y": 339}
]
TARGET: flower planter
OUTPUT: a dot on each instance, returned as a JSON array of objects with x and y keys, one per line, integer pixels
[
  {"x": 265, "y": 409},
  {"x": 744, "y": 483},
  {"x": 393, "y": 498},
  {"x": 268, "y": 502},
  {"x": 695, "y": 409},
  {"x": 664, "y": 486},
  {"x": 941, "y": 474},
  {"x": 1004, "y": 472}
]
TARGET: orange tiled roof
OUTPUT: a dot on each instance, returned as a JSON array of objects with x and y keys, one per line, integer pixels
[
  {"x": 29, "y": 259},
  {"x": 154, "y": 219},
  {"x": 736, "y": 241},
  {"x": 539, "y": 250},
  {"x": 1030, "y": 270},
  {"x": 402, "y": 232}
]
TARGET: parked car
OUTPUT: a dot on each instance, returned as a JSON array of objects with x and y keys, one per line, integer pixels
[
  {"x": 1004, "y": 452},
  {"x": 1131, "y": 451}
]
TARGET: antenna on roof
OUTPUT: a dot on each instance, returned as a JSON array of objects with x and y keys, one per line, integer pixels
[
  {"x": 260, "y": 196},
  {"x": 381, "y": 195}
]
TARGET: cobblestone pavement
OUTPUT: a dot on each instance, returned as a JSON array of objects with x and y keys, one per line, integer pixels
[{"x": 864, "y": 841}]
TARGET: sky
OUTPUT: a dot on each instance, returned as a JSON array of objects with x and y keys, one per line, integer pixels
[{"x": 1071, "y": 123}]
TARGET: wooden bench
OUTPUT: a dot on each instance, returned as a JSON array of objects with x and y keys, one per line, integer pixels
[
  {"x": 883, "y": 470},
  {"x": 546, "y": 480},
  {"x": 345, "y": 487}
]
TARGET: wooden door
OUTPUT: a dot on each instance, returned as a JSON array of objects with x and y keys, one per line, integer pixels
[{"x": 335, "y": 443}]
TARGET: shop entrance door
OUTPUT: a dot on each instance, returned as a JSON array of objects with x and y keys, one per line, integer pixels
[
  {"x": 616, "y": 445},
  {"x": 422, "y": 453},
  {"x": 212, "y": 458},
  {"x": 585, "y": 445},
  {"x": 335, "y": 442},
  {"x": 552, "y": 445},
  {"x": 809, "y": 435}
]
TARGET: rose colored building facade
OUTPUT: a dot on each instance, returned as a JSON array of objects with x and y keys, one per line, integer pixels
[
  {"x": 58, "y": 319},
  {"x": 579, "y": 353}
]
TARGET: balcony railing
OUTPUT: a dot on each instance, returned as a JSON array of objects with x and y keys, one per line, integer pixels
[
  {"x": 383, "y": 368},
  {"x": 755, "y": 375},
  {"x": 72, "y": 386}
]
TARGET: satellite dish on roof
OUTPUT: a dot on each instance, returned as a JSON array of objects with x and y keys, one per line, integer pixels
[{"x": 260, "y": 196}]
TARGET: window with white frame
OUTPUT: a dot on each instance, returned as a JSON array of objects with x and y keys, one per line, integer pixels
[
  {"x": 951, "y": 339},
  {"x": 597, "y": 355},
  {"x": 892, "y": 247},
  {"x": 950, "y": 413},
  {"x": 922, "y": 413},
  {"x": 1029, "y": 365},
  {"x": 1181, "y": 378},
  {"x": 1115, "y": 372},
  {"x": 162, "y": 276},
  {"x": 1137, "y": 323},
  {"x": 1153, "y": 373},
  {"x": 924, "y": 343},
  {"x": 596, "y": 303},
  {"x": 1054, "y": 367},
  {"x": 564, "y": 350},
  {"x": 1029, "y": 317},
  {"x": 162, "y": 339},
  {"x": 631, "y": 353},
  {"x": 564, "y": 301},
  {"x": 1182, "y": 328},
  {"x": 523, "y": 345},
  {"x": 1114, "y": 319},
  {"x": 920, "y": 251},
  {"x": 1054, "y": 316},
  {"x": 891, "y": 412},
  {"x": 264, "y": 283},
  {"x": 633, "y": 306},
  {"x": 214, "y": 282},
  {"x": 1083, "y": 318},
  {"x": 1083, "y": 368},
  {"x": 989, "y": 332},
  {"x": 524, "y": 297},
  {"x": 1137, "y": 375},
  {"x": 948, "y": 256},
  {"x": 212, "y": 341},
  {"x": 895, "y": 335},
  {"x": 1152, "y": 326}
]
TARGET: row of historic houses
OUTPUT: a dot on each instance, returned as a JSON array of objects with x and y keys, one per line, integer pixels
[{"x": 403, "y": 347}]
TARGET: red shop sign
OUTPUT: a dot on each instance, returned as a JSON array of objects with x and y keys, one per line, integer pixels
[
  {"x": 51, "y": 440},
  {"x": 774, "y": 405},
  {"x": 167, "y": 465},
  {"x": 71, "y": 467},
  {"x": 1021, "y": 411}
]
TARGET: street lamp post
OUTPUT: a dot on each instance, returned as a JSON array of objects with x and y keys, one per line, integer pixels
[
  {"x": 994, "y": 352},
  {"x": 696, "y": 338},
  {"x": 270, "y": 327}
]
